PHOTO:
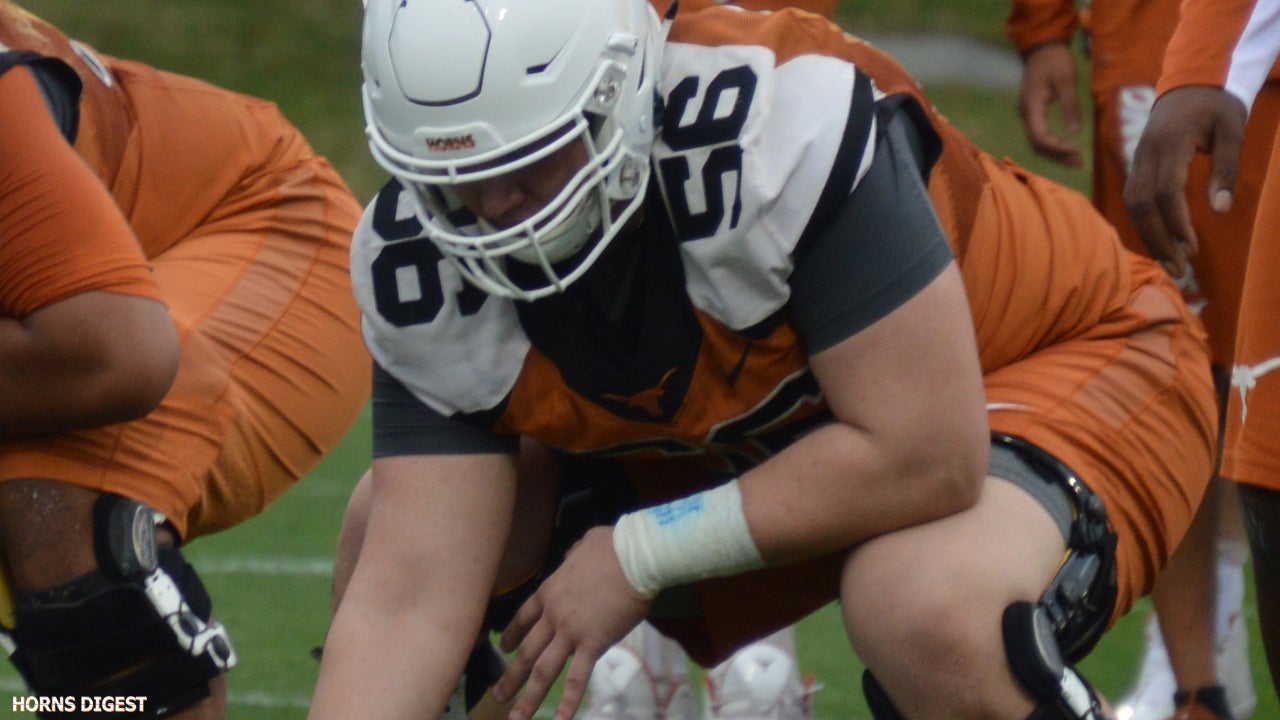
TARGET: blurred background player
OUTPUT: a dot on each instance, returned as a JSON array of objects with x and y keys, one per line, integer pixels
[
  {"x": 180, "y": 345},
  {"x": 1205, "y": 633},
  {"x": 522, "y": 277},
  {"x": 1215, "y": 73}
]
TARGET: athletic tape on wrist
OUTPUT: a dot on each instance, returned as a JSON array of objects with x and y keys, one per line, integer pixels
[{"x": 694, "y": 538}]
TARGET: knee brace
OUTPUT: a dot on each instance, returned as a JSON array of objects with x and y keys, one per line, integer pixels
[
  {"x": 1032, "y": 650},
  {"x": 138, "y": 625},
  {"x": 1081, "y": 597},
  {"x": 1042, "y": 640}
]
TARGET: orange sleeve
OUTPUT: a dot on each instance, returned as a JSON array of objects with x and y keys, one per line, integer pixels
[
  {"x": 825, "y": 8},
  {"x": 1036, "y": 22},
  {"x": 61, "y": 232},
  {"x": 1218, "y": 38}
]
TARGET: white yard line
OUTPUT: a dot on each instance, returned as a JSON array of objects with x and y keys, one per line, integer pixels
[{"x": 271, "y": 566}]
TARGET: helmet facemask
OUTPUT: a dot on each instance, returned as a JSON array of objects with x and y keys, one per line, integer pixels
[{"x": 559, "y": 242}]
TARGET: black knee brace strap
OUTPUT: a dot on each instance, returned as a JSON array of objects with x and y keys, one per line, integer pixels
[
  {"x": 1042, "y": 640},
  {"x": 102, "y": 634},
  {"x": 1031, "y": 647},
  {"x": 1081, "y": 597}
]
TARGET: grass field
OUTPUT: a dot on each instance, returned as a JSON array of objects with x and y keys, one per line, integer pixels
[{"x": 270, "y": 577}]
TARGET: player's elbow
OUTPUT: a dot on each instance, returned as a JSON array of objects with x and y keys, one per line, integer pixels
[
  {"x": 137, "y": 373},
  {"x": 953, "y": 473},
  {"x": 125, "y": 371}
]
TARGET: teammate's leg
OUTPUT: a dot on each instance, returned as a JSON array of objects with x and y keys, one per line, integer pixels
[{"x": 63, "y": 574}]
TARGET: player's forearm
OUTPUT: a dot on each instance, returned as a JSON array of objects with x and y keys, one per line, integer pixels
[
  {"x": 839, "y": 486},
  {"x": 93, "y": 359},
  {"x": 387, "y": 666},
  {"x": 416, "y": 600},
  {"x": 834, "y": 491}
]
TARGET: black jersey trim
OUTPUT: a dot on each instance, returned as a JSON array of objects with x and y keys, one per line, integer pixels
[
  {"x": 59, "y": 84},
  {"x": 854, "y": 145},
  {"x": 404, "y": 425}
]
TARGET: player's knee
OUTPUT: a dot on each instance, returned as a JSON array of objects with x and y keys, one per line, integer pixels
[
  {"x": 43, "y": 532},
  {"x": 137, "y": 626}
]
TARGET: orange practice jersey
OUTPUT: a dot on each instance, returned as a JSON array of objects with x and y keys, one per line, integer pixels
[
  {"x": 1226, "y": 43},
  {"x": 825, "y": 8},
  {"x": 1127, "y": 38},
  {"x": 214, "y": 203}
]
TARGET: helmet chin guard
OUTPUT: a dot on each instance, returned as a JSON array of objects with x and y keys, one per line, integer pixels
[{"x": 460, "y": 91}]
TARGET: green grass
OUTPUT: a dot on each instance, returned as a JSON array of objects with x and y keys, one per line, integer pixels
[{"x": 269, "y": 576}]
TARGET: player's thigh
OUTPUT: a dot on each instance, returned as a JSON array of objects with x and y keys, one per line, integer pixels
[{"x": 1130, "y": 408}]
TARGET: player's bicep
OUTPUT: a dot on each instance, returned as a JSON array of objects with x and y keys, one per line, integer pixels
[
  {"x": 913, "y": 373},
  {"x": 883, "y": 309}
]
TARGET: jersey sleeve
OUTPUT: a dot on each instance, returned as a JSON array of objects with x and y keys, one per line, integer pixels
[
  {"x": 404, "y": 425},
  {"x": 61, "y": 232},
  {"x": 885, "y": 245},
  {"x": 1035, "y": 22},
  {"x": 1231, "y": 44}
]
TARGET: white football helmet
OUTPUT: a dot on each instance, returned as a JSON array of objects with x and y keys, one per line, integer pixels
[{"x": 458, "y": 91}]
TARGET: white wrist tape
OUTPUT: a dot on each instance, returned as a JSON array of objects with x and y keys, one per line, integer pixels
[{"x": 697, "y": 537}]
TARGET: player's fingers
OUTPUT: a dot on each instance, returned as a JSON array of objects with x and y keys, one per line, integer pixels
[
  {"x": 1153, "y": 187},
  {"x": 542, "y": 676},
  {"x": 1179, "y": 240},
  {"x": 527, "y": 654},
  {"x": 575, "y": 683},
  {"x": 1224, "y": 159},
  {"x": 1040, "y": 135},
  {"x": 1034, "y": 109},
  {"x": 528, "y": 615},
  {"x": 1071, "y": 113}
]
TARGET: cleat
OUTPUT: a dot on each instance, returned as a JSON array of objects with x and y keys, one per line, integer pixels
[
  {"x": 1152, "y": 696},
  {"x": 759, "y": 682},
  {"x": 623, "y": 688},
  {"x": 1232, "y": 662}
]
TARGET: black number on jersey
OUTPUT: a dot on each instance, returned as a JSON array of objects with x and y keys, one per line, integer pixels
[
  {"x": 406, "y": 276},
  {"x": 712, "y": 127}
]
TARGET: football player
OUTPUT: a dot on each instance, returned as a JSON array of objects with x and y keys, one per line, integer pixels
[
  {"x": 1123, "y": 69},
  {"x": 180, "y": 345},
  {"x": 790, "y": 338},
  {"x": 1214, "y": 72}
]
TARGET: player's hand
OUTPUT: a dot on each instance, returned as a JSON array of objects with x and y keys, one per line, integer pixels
[
  {"x": 1183, "y": 120},
  {"x": 577, "y": 614},
  {"x": 1049, "y": 78}
]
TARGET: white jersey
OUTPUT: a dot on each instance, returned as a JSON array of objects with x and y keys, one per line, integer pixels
[{"x": 759, "y": 148}]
